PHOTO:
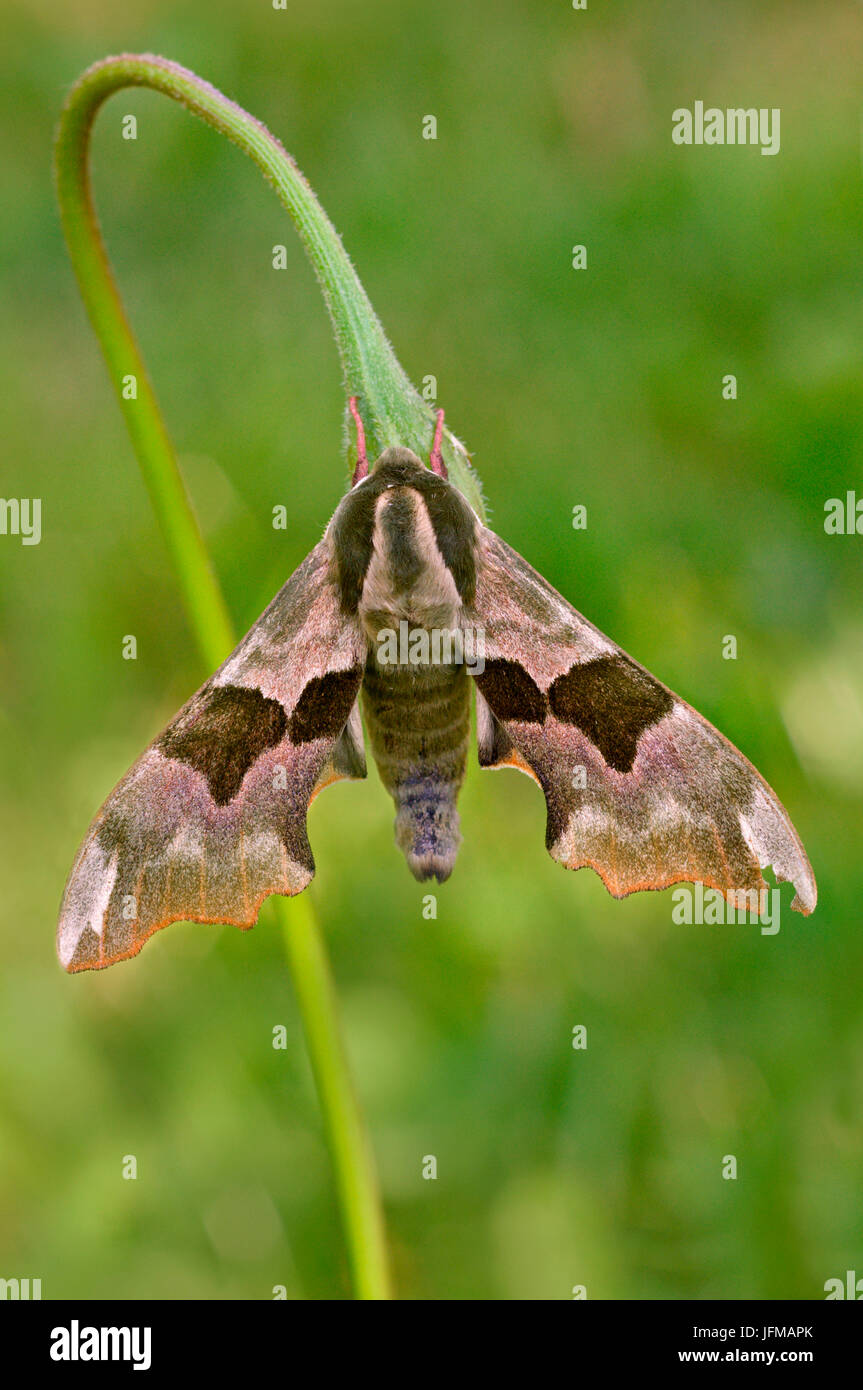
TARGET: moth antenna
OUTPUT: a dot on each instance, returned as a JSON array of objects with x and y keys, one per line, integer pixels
[
  {"x": 436, "y": 457},
  {"x": 362, "y": 469}
]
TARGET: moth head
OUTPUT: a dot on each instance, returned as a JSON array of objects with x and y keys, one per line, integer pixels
[
  {"x": 398, "y": 458},
  {"x": 395, "y": 467}
]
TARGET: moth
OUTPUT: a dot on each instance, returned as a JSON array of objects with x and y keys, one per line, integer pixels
[{"x": 212, "y": 818}]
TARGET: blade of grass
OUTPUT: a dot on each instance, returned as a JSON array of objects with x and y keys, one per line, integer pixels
[{"x": 367, "y": 359}]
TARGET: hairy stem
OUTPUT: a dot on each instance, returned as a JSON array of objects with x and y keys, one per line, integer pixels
[
  {"x": 393, "y": 411},
  {"x": 367, "y": 358}
]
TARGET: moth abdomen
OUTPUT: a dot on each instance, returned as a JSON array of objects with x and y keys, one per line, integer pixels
[
  {"x": 427, "y": 826},
  {"x": 418, "y": 721}
]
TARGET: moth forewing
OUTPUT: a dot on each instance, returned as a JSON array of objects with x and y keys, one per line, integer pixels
[
  {"x": 638, "y": 785},
  {"x": 212, "y": 818}
]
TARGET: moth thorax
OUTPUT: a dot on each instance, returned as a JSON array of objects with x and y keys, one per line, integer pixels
[{"x": 407, "y": 579}]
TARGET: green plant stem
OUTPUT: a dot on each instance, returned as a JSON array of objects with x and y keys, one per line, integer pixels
[
  {"x": 205, "y": 608},
  {"x": 352, "y": 1158},
  {"x": 392, "y": 409}
]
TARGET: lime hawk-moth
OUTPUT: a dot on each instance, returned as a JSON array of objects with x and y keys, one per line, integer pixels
[{"x": 212, "y": 818}]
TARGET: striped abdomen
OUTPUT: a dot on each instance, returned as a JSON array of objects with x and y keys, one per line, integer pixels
[{"x": 418, "y": 720}]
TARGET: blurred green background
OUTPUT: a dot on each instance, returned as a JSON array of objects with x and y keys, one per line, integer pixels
[{"x": 705, "y": 518}]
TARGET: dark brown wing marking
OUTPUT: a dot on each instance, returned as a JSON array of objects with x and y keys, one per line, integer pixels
[
  {"x": 323, "y": 708},
  {"x": 222, "y": 733},
  {"x": 612, "y": 701},
  {"x": 511, "y": 691}
]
